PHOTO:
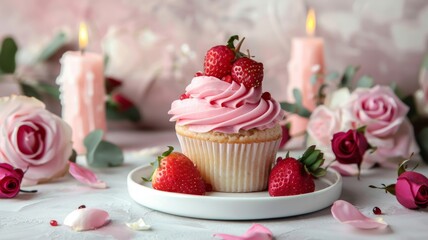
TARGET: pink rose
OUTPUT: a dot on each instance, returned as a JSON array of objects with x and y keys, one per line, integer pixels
[
  {"x": 10, "y": 180},
  {"x": 387, "y": 127},
  {"x": 32, "y": 137},
  {"x": 411, "y": 190},
  {"x": 322, "y": 124}
]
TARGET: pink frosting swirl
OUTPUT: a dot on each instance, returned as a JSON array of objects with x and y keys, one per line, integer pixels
[{"x": 215, "y": 105}]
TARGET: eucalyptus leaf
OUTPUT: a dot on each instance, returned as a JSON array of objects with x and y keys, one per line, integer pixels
[
  {"x": 397, "y": 90},
  {"x": 52, "y": 90},
  {"x": 113, "y": 113},
  {"x": 57, "y": 42},
  {"x": 422, "y": 139},
  {"x": 132, "y": 114},
  {"x": 296, "y": 109},
  {"x": 289, "y": 107},
  {"x": 297, "y": 96},
  {"x": 100, "y": 153},
  {"x": 348, "y": 75},
  {"x": 411, "y": 103},
  {"x": 314, "y": 78},
  {"x": 73, "y": 156},
  {"x": 332, "y": 76},
  {"x": 365, "y": 82},
  {"x": 7, "y": 55},
  {"x": 29, "y": 90},
  {"x": 38, "y": 88}
]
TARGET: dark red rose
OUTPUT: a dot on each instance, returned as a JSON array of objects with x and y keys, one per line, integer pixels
[
  {"x": 112, "y": 83},
  {"x": 123, "y": 103},
  {"x": 349, "y": 147},
  {"x": 285, "y": 135}
]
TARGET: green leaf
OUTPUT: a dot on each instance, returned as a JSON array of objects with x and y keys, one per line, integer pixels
[
  {"x": 388, "y": 189},
  {"x": 402, "y": 168},
  {"x": 297, "y": 96},
  {"x": 313, "y": 79},
  {"x": 365, "y": 82},
  {"x": 38, "y": 88},
  {"x": 362, "y": 129},
  {"x": 311, "y": 158},
  {"x": 321, "y": 94},
  {"x": 422, "y": 140},
  {"x": 57, "y": 42},
  {"x": 29, "y": 90},
  {"x": 100, "y": 153},
  {"x": 308, "y": 151},
  {"x": 332, "y": 76},
  {"x": 296, "y": 109},
  {"x": 7, "y": 55},
  {"x": 113, "y": 113},
  {"x": 52, "y": 90},
  {"x": 397, "y": 90},
  {"x": 319, "y": 172},
  {"x": 410, "y": 102},
  {"x": 348, "y": 75},
  {"x": 316, "y": 165},
  {"x": 132, "y": 114},
  {"x": 73, "y": 156}
]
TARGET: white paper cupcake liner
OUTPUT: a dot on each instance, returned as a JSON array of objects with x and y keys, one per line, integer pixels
[{"x": 232, "y": 167}]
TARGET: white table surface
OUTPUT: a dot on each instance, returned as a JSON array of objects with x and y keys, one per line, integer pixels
[{"x": 28, "y": 215}]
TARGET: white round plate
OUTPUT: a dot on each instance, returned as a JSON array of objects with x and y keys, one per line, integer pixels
[{"x": 233, "y": 206}]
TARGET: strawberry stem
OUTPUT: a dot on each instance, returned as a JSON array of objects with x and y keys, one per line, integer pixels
[
  {"x": 231, "y": 40},
  {"x": 238, "y": 47}
]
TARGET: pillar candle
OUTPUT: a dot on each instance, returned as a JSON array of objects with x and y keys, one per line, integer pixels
[
  {"x": 81, "y": 82},
  {"x": 306, "y": 59}
]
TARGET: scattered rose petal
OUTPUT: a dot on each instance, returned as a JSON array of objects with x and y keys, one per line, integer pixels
[
  {"x": 138, "y": 225},
  {"x": 256, "y": 232},
  {"x": 85, "y": 176},
  {"x": 347, "y": 213},
  {"x": 86, "y": 219}
]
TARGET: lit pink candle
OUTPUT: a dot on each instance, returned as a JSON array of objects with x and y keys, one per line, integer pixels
[
  {"x": 82, "y": 92},
  {"x": 307, "y": 58}
]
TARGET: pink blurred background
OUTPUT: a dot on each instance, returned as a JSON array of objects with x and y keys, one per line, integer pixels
[{"x": 155, "y": 46}]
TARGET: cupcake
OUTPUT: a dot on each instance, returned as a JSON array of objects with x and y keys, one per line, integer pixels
[{"x": 225, "y": 123}]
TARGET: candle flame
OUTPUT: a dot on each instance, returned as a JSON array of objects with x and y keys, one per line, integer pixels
[
  {"x": 83, "y": 36},
  {"x": 311, "y": 22}
]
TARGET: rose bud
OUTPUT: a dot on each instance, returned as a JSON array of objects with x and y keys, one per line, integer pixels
[
  {"x": 123, "y": 103},
  {"x": 10, "y": 180},
  {"x": 112, "y": 83},
  {"x": 411, "y": 190}
]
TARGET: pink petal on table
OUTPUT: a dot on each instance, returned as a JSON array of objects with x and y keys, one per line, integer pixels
[
  {"x": 347, "y": 213},
  {"x": 85, "y": 176},
  {"x": 84, "y": 219},
  {"x": 256, "y": 232}
]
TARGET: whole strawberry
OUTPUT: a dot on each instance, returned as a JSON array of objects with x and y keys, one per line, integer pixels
[
  {"x": 218, "y": 61},
  {"x": 292, "y": 176},
  {"x": 174, "y": 172},
  {"x": 248, "y": 72}
]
